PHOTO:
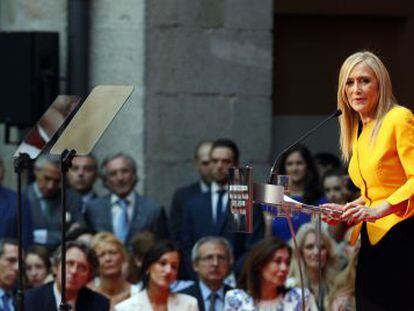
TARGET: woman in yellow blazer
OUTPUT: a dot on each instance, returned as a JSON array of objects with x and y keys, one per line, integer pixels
[{"x": 377, "y": 138}]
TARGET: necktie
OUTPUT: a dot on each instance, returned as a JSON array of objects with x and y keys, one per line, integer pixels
[
  {"x": 123, "y": 222},
  {"x": 5, "y": 299},
  {"x": 213, "y": 298},
  {"x": 219, "y": 207}
]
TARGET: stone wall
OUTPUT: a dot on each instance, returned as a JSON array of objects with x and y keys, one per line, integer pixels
[{"x": 209, "y": 75}]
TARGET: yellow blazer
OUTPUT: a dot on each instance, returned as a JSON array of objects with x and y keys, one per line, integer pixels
[{"x": 384, "y": 169}]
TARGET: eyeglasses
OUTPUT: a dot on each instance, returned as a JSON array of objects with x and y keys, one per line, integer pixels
[{"x": 212, "y": 258}]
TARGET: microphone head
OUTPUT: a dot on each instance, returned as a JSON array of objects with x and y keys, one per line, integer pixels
[{"x": 337, "y": 113}]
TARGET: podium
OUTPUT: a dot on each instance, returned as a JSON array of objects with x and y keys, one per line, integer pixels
[{"x": 272, "y": 198}]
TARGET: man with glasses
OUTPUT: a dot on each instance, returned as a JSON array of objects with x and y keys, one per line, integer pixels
[
  {"x": 181, "y": 196},
  {"x": 212, "y": 258},
  {"x": 8, "y": 273},
  {"x": 81, "y": 262}
]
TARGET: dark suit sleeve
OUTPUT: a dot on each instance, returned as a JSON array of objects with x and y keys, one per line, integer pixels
[
  {"x": 161, "y": 225},
  {"x": 187, "y": 241},
  {"x": 175, "y": 219},
  {"x": 253, "y": 238}
]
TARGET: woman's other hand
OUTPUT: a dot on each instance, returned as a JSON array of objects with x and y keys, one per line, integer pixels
[{"x": 330, "y": 218}]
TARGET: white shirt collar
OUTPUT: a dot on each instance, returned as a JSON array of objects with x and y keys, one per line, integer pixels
[
  {"x": 216, "y": 187},
  {"x": 205, "y": 291},
  {"x": 204, "y": 186},
  {"x": 130, "y": 198},
  {"x": 58, "y": 298}
]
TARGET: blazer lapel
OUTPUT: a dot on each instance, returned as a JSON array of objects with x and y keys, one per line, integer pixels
[
  {"x": 221, "y": 226},
  {"x": 107, "y": 214},
  {"x": 138, "y": 216}
]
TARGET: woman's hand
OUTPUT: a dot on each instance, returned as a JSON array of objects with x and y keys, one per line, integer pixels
[
  {"x": 355, "y": 213},
  {"x": 329, "y": 218}
]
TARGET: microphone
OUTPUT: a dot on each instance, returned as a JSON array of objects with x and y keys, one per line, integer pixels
[{"x": 336, "y": 114}]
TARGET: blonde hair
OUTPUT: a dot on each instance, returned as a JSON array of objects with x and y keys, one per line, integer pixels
[
  {"x": 349, "y": 119},
  {"x": 345, "y": 281},
  {"x": 328, "y": 271},
  {"x": 107, "y": 238}
]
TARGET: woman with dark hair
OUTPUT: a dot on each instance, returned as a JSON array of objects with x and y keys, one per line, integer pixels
[
  {"x": 262, "y": 281},
  {"x": 304, "y": 187},
  {"x": 160, "y": 266},
  {"x": 38, "y": 266}
]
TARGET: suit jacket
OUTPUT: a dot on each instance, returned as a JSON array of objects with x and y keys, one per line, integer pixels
[
  {"x": 195, "y": 291},
  {"x": 8, "y": 214},
  {"x": 140, "y": 302},
  {"x": 147, "y": 215},
  {"x": 198, "y": 222},
  {"x": 53, "y": 223},
  {"x": 180, "y": 198},
  {"x": 42, "y": 299}
]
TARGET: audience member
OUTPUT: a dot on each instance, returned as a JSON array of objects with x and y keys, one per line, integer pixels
[
  {"x": 8, "y": 213},
  {"x": 181, "y": 196},
  {"x": 8, "y": 272},
  {"x": 123, "y": 211},
  {"x": 207, "y": 214},
  {"x": 161, "y": 269},
  {"x": 298, "y": 163},
  {"x": 262, "y": 282},
  {"x": 345, "y": 250},
  {"x": 45, "y": 202},
  {"x": 326, "y": 161},
  {"x": 80, "y": 264},
  {"x": 212, "y": 258},
  {"x": 342, "y": 296},
  {"x": 37, "y": 266},
  {"x": 82, "y": 176},
  {"x": 141, "y": 244},
  {"x": 309, "y": 252},
  {"x": 112, "y": 257},
  {"x": 82, "y": 234},
  {"x": 334, "y": 187}
]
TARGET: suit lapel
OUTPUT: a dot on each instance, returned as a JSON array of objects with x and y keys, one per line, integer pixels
[
  {"x": 221, "y": 226},
  {"x": 138, "y": 216},
  {"x": 107, "y": 214},
  {"x": 207, "y": 212},
  {"x": 199, "y": 296}
]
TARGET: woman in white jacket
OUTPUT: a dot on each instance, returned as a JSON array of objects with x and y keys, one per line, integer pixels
[{"x": 161, "y": 266}]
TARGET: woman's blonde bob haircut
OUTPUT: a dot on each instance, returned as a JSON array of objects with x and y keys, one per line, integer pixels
[
  {"x": 349, "y": 119},
  {"x": 107, "y": 238}
]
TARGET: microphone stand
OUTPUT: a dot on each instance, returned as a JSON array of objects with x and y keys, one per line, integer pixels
[
  {"x": 309, "y": 132},
  {"x": 20, "y": 163},
  {"x": 65, "y": 162},
  {"x": 336, "y": 114}
]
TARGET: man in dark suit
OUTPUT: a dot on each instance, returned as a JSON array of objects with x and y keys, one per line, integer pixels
[
  {"x": 8, "y": 214},
  {"x": 212, "y": 258},
  {"x": 209, "y": 213},
  {"x": 182, "y": 195},
  {"x": 81, "y": 263},
  {"x": 45, "y": 202},
  {"x": 123, "y": 211},
  {"x": 82, "y": 176}
]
